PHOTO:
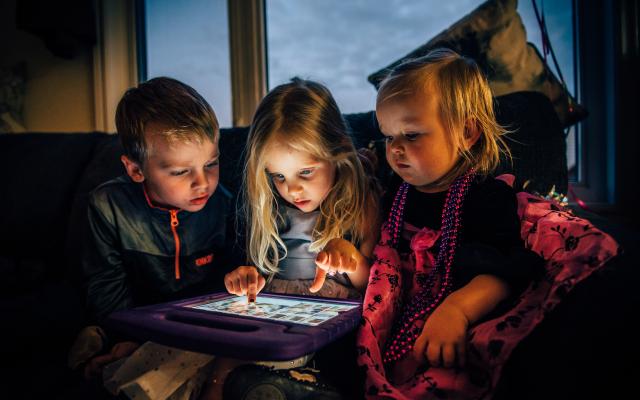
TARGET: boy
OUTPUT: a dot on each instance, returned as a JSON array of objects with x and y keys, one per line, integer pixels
[{"x": 157, "y": 234}]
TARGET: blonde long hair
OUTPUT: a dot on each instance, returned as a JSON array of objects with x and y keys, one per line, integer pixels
[
  {"x": 304, "y": 115},
  {"x": 465, "y": 98}
]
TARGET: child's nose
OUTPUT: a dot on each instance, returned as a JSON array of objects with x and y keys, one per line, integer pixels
[
  {"x": 395, "y": 147},
  {"x": 295, "y": 189},
  {"x": 199, "y": 181}
]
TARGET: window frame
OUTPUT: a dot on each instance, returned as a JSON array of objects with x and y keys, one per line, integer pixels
[
  {"x": 247, "y": 58},
  {"x": 596, "y": 90}
]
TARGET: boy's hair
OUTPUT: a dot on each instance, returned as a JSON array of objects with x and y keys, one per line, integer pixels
[
  {"x": 304, "y": 115},
  {"x": 169, "y": 102},
  {"x": 464, "y": 98}
]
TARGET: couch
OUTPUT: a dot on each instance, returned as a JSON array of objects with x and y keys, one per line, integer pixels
[{"x": 584, "y": 349}]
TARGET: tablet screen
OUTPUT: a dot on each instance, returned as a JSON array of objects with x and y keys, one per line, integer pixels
[{"x": 295, "y": 310}]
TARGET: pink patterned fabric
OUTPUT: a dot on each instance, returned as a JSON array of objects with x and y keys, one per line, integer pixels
[{"x": 572, "y": 249}]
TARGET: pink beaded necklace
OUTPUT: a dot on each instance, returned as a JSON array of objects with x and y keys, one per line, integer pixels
[{"x": 404, "y": 333}]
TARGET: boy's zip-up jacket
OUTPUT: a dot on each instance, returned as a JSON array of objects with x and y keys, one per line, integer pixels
[{"x": 139, "y": 254}]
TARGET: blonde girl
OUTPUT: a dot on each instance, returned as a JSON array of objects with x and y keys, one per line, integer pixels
[{"x": 311, "y": 209}]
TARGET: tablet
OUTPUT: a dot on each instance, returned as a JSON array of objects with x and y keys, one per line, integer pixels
[
  {"x": 294, "y": 310},
  {"x": 274, "y": 328}
]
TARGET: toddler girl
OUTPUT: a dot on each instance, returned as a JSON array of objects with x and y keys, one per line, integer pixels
[{"x": 451, "y": 252}]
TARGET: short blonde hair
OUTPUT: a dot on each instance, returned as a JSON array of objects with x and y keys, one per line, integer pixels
[
  {"x": 304, "y": 115},
  {"x": 180, "y": 108},
  {"x": 465, "y": 98}
]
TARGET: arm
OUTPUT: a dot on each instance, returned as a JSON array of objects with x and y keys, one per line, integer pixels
[
  {"x": 443, "y": 338},
  {"x": 105, "y": 276},
  {"x": 106, "y": 280},
  {"x": 479, "y": 297}
]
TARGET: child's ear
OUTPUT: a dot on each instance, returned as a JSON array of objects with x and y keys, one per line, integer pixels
[
  {"x": 133, "y": 169},
  {"x": 471, "y": 133}
]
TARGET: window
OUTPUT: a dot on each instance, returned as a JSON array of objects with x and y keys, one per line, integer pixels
[{"x": 189, "y": 41}]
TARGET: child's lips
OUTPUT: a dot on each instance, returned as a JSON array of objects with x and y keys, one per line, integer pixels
[
  {"x": 301, "y": 203},
  {"x": 199, "y": 200},
  {"x": 402, "y": 165}
]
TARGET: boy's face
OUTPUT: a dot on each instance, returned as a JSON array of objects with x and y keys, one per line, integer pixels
[{"x": 177, "y": 174}]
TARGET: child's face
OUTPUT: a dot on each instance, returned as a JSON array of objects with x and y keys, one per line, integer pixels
[
  {"x": 179, "y": 175},
  {"x": 418, "y": 147},
  {"x": 301, "y": 179}
]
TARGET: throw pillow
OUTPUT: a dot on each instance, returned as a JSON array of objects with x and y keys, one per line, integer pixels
[{"x": 494, "y": 36}]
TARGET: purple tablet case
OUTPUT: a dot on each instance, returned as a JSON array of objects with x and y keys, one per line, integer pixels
[{"x": 226, "y": 335}]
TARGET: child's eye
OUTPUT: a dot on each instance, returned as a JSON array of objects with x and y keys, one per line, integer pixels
[
  {"x": 277, "y": 177},
  {"x": 212, "y": 164},
  {"x": 411, "y": 136},
  {"x": 178, "y": 173},
  {"x": 306, "y": 172},
  {"x": 388, "y": 139}
]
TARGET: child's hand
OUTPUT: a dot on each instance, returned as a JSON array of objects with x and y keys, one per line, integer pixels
[
  {"x": 339, "y": 256},
  {"x": 443, "y": 340},
  {"x": 244, "y": 280},
  {"x": 94, "y": 367}
]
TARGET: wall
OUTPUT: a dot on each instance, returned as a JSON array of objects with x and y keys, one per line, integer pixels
[{"x": 59, "y": 92}]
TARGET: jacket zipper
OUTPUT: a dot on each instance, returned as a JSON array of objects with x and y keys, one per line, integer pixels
[{"x": 174, "y": 227}]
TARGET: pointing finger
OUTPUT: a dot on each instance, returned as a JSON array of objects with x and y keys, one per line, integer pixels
[
  {"x": 318, "y": 281},
  {"x": 252, "y": 287}
]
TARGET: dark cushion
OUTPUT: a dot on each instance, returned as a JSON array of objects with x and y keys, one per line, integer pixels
[
  {"x": 232, "y": 143},
  {"x": 42, "y": 309},
  {"x": 537, "y": 142},
  {"x": 494, "y": 36},
  {"x": 42, "y": 174}
]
